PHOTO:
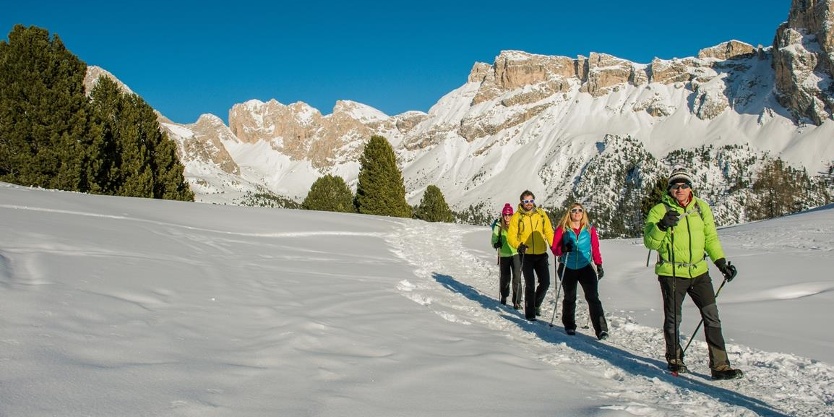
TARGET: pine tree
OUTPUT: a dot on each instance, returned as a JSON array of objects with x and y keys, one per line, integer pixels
[
  {"x": 781, "y": 189},
  {"x": 380, "y": 190},
  {"x": 43, "y": 111},
  {"x": 104, "y": 154},
  {"x": 132, "y": 156},
  {"x": 433, "y": 207},
  {"x": 329, "y": 193},
  {"x": 653, "y": 196}
]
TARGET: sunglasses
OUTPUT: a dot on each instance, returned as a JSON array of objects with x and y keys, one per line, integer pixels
[
  {"x": 528, "y": 201},
  {"x": 679, "y": 187},
  {"x": 576, "y": 210}
]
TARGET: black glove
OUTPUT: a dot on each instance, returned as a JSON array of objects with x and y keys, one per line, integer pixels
[
  {"x": 522, "y": 248},
  {"x": 727, "y": 268},
  {"x": 670, "y": 219},
  {"x": 498, "y": 244},
  {"x": 568, "y": 246},
  {"x": 600, "y": 271},
  {"x": 560, "y": 271}
]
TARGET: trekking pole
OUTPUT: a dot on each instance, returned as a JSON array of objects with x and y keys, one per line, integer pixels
[
  {"x": 702, "y": 319},
  {"x": 561, "y": 278},
  {"x": 678, "y": 358},
  {"x": 522, "y": 284},
  {"x": 498, "y": 262},
  {"x": 558, "y": 290}
]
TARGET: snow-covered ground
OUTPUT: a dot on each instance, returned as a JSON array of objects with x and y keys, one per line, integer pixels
[{"x": 132, "y": 307}]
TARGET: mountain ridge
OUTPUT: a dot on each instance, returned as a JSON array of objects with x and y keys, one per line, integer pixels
[{"x": 555, "y": 117}]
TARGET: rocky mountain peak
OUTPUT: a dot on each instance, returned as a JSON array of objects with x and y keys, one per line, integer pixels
[
  {"x": 803, "y": 50},
  {"x": 546, "y": 121},
  {"x": 93, "y": 74},
  {"x": 728, "y": 50}
]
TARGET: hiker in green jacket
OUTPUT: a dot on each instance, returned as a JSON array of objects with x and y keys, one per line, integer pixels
[
  {"x": 508, "y": 259},
  {"x": 682, "y": 230}
]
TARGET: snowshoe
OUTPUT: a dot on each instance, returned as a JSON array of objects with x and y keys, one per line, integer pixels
[{"x": 570, "y": 332}]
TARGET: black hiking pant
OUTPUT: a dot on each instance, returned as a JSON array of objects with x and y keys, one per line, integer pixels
[
  {"x": 510, "y": 267},
  {"x": 587, "y": 278},
  {"x": 702, "y": 293},
  {"x": 534, "y": 296}
]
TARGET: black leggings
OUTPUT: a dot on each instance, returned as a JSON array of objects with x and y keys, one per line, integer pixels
[
  {"x": 510, "y": 267},
  {"x": 587, "y": 278}
]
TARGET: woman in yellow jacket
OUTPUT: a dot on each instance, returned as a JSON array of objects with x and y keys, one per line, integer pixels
[{"x": 531, "y": 233}]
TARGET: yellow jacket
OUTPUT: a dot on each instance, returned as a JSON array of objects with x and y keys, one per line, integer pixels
[{"x": 531, "y": 228}]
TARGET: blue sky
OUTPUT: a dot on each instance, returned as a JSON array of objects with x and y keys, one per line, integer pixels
[{"x": 186, "y": 58}]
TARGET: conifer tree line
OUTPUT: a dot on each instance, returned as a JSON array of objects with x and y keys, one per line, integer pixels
[
  {"x": 380, "y": 190},
  {"x": 54, "y": 135},
  {"x": 771, "y": 190}
]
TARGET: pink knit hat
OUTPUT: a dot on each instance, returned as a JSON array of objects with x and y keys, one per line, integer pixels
[{"x": 508, "y": 209}]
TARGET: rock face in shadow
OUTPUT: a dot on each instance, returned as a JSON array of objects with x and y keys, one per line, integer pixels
[{"x": 802, "y": 60}]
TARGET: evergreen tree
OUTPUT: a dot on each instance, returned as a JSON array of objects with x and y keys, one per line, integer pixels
[
  {"x": 53, "y": 136},
  {"x": 329, "y": 193},
  {"x": 433, "y": 207},
  {"x": 43, "y": 111},
  {"x": 380, "y": 190},
  {"x": 781, "y": 189},
  {"x": 104, "y": 154},
  {"x": 652, "y": 196},
  {"x": 475, "y": 214},
  {"x": 132, "y": 156}
]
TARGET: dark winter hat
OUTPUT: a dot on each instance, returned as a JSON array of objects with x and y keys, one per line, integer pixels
[
  {"x": 680, "y": 175},
  {"x": 508, "y": 209}
]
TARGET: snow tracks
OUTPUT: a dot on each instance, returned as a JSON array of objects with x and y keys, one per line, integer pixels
[{"x": 458, "y": 281}]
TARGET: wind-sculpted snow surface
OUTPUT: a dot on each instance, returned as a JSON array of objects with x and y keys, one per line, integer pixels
[{"x": 135, "y": 307}]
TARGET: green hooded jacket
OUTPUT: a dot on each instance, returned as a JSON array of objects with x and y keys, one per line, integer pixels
[
  {"x": 694, "y": 237},
  {"x": 497, "y": 231}
]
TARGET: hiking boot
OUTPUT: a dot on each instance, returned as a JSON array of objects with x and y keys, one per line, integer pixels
[
  {"x": 726, "y": 372},
  {"x": 517, "y": 306},
  {"x": 531, "y": 318},
  {"x": 570, "y": 332},
  {"x": 538, "y": 311},
  {"x": 602, "y": 335},
  {"x": 677, "y": 366}
]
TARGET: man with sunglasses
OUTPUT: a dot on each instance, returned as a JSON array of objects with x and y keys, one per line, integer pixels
[
  {"x": 530, "y": 232},
  {"x": 682, "y": 230}
]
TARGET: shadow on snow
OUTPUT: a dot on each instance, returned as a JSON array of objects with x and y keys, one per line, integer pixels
[{"x": 627, "y": 361}]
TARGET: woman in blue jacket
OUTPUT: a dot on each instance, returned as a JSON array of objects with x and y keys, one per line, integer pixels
[{"x": 576, "y": 245}]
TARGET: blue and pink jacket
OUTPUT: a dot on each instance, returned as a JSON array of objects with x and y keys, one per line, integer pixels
[{"x": 585, "y": 242}]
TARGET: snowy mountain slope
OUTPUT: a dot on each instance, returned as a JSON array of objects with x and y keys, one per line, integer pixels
[
  {"x": 547, "y": 123},
  {"x": 125, "y": 306},
  {"x": 482, "y": 144}
]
